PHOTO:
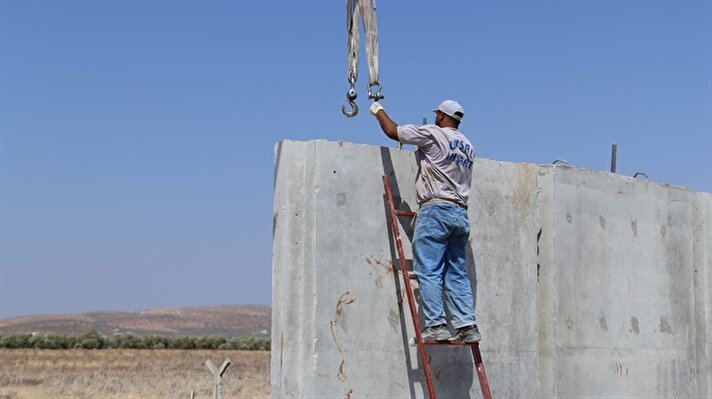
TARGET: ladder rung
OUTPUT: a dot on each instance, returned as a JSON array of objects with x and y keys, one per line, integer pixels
[
  {"x": 411, "y": 275},
  {"x": 449, "y": 343},
  {"x": 405, "y": 213}
]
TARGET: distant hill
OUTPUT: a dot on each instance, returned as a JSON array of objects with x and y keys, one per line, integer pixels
[{"x": 227, "y": 320}]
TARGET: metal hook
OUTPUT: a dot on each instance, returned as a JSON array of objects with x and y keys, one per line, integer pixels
[
  {"x": 350, "y": 97},
  {"x": 354, "y": 109}
]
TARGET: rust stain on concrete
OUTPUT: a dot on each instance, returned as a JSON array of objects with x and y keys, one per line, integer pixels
[
  {"x": 345, "y": 299},
  {"x": 341, "y": 375},
  {"x": 332, "y": 324},
  {"x": 388, "y": 265},
  {"x": 520, "y": 196}
]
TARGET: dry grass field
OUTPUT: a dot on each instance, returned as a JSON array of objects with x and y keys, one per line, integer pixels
[{"x": 129, "y": 374}]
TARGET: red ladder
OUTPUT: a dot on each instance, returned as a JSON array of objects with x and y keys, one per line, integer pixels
[{"x": 407, "y": 276}]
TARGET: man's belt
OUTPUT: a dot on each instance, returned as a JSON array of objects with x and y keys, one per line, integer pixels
[{"x": 433, "y": 200}]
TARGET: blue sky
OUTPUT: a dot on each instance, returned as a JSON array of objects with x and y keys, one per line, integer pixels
[{"x": 136, "y": 137}]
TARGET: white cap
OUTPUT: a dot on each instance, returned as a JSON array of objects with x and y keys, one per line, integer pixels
[{"x": 452, "y": 109}]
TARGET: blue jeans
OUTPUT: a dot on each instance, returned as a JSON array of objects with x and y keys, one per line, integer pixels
[{"x": 439, "y": 254}]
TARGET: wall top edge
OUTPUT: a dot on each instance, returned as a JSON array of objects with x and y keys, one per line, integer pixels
[{"x": 544, "y": 168}]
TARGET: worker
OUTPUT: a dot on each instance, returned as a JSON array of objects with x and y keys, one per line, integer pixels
[{"x": 445, "y": 159}]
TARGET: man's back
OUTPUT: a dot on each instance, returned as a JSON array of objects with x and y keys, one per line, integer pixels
[{"x": 445, "y": 158}]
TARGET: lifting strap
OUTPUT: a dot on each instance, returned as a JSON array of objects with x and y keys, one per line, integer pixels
[{"x": 364, "y": 11}]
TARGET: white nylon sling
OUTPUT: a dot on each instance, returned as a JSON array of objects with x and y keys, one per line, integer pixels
[{"x": 365, "y": 11}]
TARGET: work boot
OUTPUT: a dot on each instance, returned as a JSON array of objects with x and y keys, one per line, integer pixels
[
  {"x": 436, "y": 333},
  {"x": 469, "y": 334}
]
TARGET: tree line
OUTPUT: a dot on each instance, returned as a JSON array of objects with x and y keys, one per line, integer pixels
[{"x": 94, "y": 340}]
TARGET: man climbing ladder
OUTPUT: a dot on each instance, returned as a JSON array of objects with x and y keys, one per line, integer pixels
[{"x": 445, "y": 159}]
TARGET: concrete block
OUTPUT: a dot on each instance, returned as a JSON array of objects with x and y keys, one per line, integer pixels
[
  {"x": 504, "y": 229},
  {"x": 340, "y": 326},
  {"x": 587, "y": 283},
  {"x": 620, "y": 289}
]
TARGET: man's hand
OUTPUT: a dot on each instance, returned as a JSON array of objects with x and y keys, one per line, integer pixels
[
  {"x": 375, "y": 107},
  {"x": 387, "y": 125}
]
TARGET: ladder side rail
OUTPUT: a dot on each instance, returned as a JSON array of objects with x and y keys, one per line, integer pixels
[
  {"x": 480, "y": 366},
  {"x": 408, "y": 288}
]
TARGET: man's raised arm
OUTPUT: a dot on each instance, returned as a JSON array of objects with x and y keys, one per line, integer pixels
[{"x": 389, "y": 127}]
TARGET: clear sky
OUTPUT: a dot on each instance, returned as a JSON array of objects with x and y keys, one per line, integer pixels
[{"x": 137, "y": 137}]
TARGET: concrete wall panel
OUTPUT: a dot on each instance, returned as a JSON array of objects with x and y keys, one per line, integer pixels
[
  {"x": 292, "y": 286},
  {"x": 587, "y": 283},
  {"x": 623, "y": 259},
  {"x": 503, "y": 215},
  {"x": 336, "y": 286},
  {"x": 702, "y": 252}
]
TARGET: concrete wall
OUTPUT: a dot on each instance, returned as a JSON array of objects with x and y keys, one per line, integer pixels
[
  {"x": 587, "y": 283},
  {"x": 702, "y": 264},
  {"x": 619, "y": 307}
]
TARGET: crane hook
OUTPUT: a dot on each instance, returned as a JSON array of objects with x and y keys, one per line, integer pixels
[
  {"x": 350, "y": 97},
  {"x": 353, "y": 112}
]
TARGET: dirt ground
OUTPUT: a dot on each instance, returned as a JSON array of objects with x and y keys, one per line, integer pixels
[{"x": 130, "y": 374}]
